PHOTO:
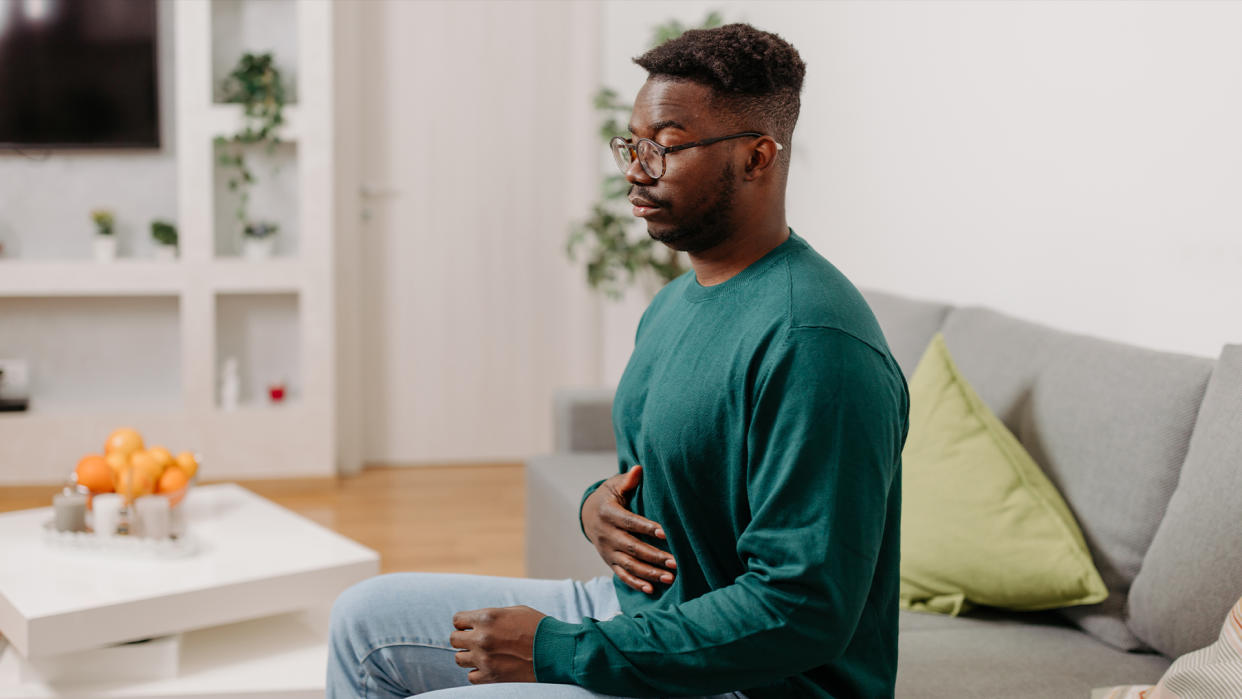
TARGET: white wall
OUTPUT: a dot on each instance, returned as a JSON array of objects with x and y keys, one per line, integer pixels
[
  {"x": 1072, "y": 163},
  {"x": 476, "y": 132}
]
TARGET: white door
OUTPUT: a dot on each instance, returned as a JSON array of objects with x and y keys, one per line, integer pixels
[{"x": 478, "y": 148}]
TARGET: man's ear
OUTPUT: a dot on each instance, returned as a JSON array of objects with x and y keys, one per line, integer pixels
[{"x": 762, "y": 158}]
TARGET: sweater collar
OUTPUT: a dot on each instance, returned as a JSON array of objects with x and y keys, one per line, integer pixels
[{"x": 696, "y": 292}]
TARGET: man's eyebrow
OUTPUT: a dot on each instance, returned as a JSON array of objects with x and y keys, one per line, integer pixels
[{"x": 660, "y": 126}]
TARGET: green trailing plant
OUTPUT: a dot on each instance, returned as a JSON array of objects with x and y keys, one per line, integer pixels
[
  {"x": 614, "y": 258},
  {"x": 164, "y": 233},
  {"x": 103, "y": 221},
  {"x": 257, "y": 85}
]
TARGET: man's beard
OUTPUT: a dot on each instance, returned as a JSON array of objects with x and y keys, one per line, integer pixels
[{"x": 714, "y": 228}]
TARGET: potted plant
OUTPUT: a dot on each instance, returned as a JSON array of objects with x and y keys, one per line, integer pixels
[
  {"x": 259, "y": 240},
  {"x": 165, "y": 236},
  {"x": 105, "y": 235},
  {"x": 257, "y": 84}
]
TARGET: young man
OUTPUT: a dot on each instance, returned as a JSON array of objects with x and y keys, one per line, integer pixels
[{"x": 754, "y": 526}]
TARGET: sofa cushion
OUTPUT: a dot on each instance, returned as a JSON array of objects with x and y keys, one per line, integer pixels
[
  {"x": 988, "y": 655},
  {"x": 1109, "y": 423},
  {"x": 908, "y": 324},
  {"x": 980, "y": 522},
  {"x": 1193, "y": 570}
]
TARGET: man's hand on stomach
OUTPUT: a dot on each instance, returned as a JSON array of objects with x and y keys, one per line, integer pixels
[{"x": 611, "y": 526}]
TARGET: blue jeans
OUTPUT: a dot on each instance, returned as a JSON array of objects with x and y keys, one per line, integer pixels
[{"x": 390, "y": 634}]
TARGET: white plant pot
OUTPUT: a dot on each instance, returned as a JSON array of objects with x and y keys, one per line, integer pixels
[
  {"x": 166, "y": 253},
  {"x": 105, "y": 248},
  {"x": 258, "y": 248}
]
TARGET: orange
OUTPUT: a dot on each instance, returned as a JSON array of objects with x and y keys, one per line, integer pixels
[
  {"x": 133, "y": 483},
  {"x": 144, "y": 461},
  {"x": 94, "y": 473},
  {"x": 125, "y": 440},
  {"x": 163, "y": 457},
  {"x": 173, "y": 484},
  {"x": 117, "y": 462},
  {"x": 187, "y": 463}
]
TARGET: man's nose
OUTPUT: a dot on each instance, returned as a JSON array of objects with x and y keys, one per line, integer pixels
[{"x": 636, "y": 174}]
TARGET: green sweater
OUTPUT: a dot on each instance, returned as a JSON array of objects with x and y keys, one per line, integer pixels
[{"x": 769, "y": 417}]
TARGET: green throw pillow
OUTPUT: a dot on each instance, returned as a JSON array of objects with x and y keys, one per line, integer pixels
[{"x": 981, "y": 523}]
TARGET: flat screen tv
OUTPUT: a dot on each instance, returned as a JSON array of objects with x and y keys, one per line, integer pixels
[{"x": 78, "y": 74}]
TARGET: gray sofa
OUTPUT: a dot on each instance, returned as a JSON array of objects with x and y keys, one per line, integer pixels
[{"x": 1145, "y": 446}]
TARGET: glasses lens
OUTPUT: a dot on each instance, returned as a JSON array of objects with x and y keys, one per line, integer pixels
[
  {"x": 651, "y": 159},
  {"x": 621, "y": 153}
]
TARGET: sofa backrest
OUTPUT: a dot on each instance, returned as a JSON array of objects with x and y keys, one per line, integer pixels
[
  {"x": 1108, "y": 422},
  {"x": 582, "y": 420},
  {"x": 1192, "y": 574},
  {"x": 908, "y": 324}
]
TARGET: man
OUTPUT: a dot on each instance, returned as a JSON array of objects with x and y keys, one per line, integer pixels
[{"x": 753, "y": 529}]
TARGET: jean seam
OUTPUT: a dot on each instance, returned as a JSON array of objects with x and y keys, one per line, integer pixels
[
  {"x": 364, "y": 679},
  {"x": 364, "y": 675}
]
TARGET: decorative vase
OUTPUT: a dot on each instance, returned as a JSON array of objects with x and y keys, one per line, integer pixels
[
  {"x": 166, "y": 252},
  {"x": 258, "y": 248},
  {"x": 105, "y": 248}
]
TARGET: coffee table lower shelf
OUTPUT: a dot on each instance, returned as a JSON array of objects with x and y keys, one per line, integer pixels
[{"x": 278, "y": 657}]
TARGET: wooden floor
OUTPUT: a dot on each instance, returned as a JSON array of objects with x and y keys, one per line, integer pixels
[{"x": 450, "y": 519}]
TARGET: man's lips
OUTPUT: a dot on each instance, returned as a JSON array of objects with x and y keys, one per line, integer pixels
[{"x": 643, "y": 207}]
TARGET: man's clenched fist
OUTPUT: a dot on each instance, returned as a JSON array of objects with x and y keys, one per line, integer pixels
[{"x": 498, "y": 642}]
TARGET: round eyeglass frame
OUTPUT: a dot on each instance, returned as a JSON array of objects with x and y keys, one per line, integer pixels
[{"x": 625, "y": 153}]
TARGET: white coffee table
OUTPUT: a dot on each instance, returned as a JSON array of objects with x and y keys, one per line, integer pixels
[{"x": 248, "y": 609}]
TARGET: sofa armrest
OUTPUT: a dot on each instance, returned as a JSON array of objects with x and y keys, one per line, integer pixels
[
  {"x": 555, "y": 546},
  {"x": 583, "y": 421}
]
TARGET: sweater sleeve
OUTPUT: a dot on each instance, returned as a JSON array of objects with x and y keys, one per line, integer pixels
[
  {"x": 590, "y": 489},
  {"x": 824, "y": 443}
]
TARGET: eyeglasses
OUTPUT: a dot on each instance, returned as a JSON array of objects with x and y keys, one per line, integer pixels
[{"x": 650, "y": 155}]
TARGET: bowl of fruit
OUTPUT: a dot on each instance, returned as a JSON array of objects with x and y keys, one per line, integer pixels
[{"x": 131, "y": 469}]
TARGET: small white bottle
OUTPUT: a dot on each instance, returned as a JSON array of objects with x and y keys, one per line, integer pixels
[{"x": 230, "y": 385}]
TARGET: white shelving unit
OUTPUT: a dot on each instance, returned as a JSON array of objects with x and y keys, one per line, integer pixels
[
  {"x": 77, "y": 278},
  {"x": 280, "y": 312},
  {"x": 225, "y": 119}
]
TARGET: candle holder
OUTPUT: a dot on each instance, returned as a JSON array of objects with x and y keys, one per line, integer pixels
[{"x": 113, "y": 522}]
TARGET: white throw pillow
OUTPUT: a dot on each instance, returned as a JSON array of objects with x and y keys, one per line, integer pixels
[{"x": 1214, "y": 671}]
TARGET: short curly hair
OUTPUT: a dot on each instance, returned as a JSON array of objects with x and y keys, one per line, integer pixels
[{"x": 755, "y": 75}]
